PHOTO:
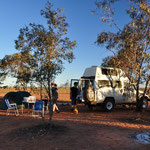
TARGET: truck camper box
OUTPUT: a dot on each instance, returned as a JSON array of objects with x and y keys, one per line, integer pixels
[{"x": 106, "y": 86}]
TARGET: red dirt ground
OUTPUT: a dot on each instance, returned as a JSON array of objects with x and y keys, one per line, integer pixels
[{"x": 89, "y": 130}]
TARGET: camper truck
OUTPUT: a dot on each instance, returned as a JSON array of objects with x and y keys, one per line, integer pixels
[{"x": 106, "y": 87}]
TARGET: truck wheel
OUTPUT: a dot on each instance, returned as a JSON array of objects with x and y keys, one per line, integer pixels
[
  {"x": 109, "y": 104},
  {"x": 144, "y": 103}
]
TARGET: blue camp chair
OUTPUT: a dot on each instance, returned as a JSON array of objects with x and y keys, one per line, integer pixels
[
  {"x": 11, "y": 107},
  {"x": 38, "y": 107}
]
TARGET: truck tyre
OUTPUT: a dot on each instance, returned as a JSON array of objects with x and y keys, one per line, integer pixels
[
  {"x": 90, "y": 94},
  {"x": 144, "y": 103},
  {"x": 109, "y": 105}
]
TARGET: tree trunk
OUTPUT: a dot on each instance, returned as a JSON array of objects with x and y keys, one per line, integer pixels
[
  {"x": 50, "y": 111},
  {"x": 41, "y": 88},
  {"x": 146, "y": 86},
  {"x": 138, "y": 102},
  {"x": 50, "y": 103}
]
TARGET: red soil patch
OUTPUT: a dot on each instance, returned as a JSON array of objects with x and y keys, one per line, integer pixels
[{"x": 86, "y": 131}]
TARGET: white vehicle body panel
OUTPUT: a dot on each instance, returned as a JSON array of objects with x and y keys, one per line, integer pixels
[{"x": 107, "y": 85}]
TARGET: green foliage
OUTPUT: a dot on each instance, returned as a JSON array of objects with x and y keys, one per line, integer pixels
[
  {"x": 42, "y": 51},
  {"x": 130, "y": 45},
  {"x": 19, "y": 66}
]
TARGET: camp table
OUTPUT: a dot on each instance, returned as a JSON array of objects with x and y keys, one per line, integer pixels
[{"x": 28, "y": 100}]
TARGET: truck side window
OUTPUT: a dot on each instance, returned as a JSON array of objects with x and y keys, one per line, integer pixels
[
  {"x": 117, "y": 84},
  {"x": 103, "y": 83},
  {"x": 106, "y": 83},
  {"x": 126, "y": 85}
]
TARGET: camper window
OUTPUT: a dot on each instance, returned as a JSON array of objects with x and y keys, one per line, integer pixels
[
  {"x": 107, "y": 83},
  {"x": 103, "y": 83},
  {"x": 112, "y": 72},
  {"x": 117, "y": 84}
]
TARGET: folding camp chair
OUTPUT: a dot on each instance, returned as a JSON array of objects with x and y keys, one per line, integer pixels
[
  {"x": 11, "y": 107},
  {"x": 38, "y": 107}
]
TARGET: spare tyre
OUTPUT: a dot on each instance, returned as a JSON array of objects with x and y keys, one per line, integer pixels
[{"x": 90, "y": 94}]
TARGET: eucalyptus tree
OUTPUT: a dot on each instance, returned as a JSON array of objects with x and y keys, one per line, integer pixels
[
  {"x": 130, "y": 45},
  {"x": 48, "y": 45},
  {"x": 17, "y": 65},
  {"x": 3, "y": 73}
]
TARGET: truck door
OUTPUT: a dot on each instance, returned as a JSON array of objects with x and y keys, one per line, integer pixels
[
  {"x": 118, "y": 91},
  {"x": 73, "y": 81},
  {"x": 129, "y": 93},
  {"x": 79, "y": 97}
]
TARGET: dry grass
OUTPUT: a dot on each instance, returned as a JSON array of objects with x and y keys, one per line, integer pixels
[{"x": 63, "y": 92}]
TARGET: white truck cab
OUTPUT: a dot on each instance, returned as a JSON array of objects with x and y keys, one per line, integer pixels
[{"x": 106, "y": 87}]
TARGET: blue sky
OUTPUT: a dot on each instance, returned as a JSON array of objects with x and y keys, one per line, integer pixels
[{"x": 83, "y": 27}]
